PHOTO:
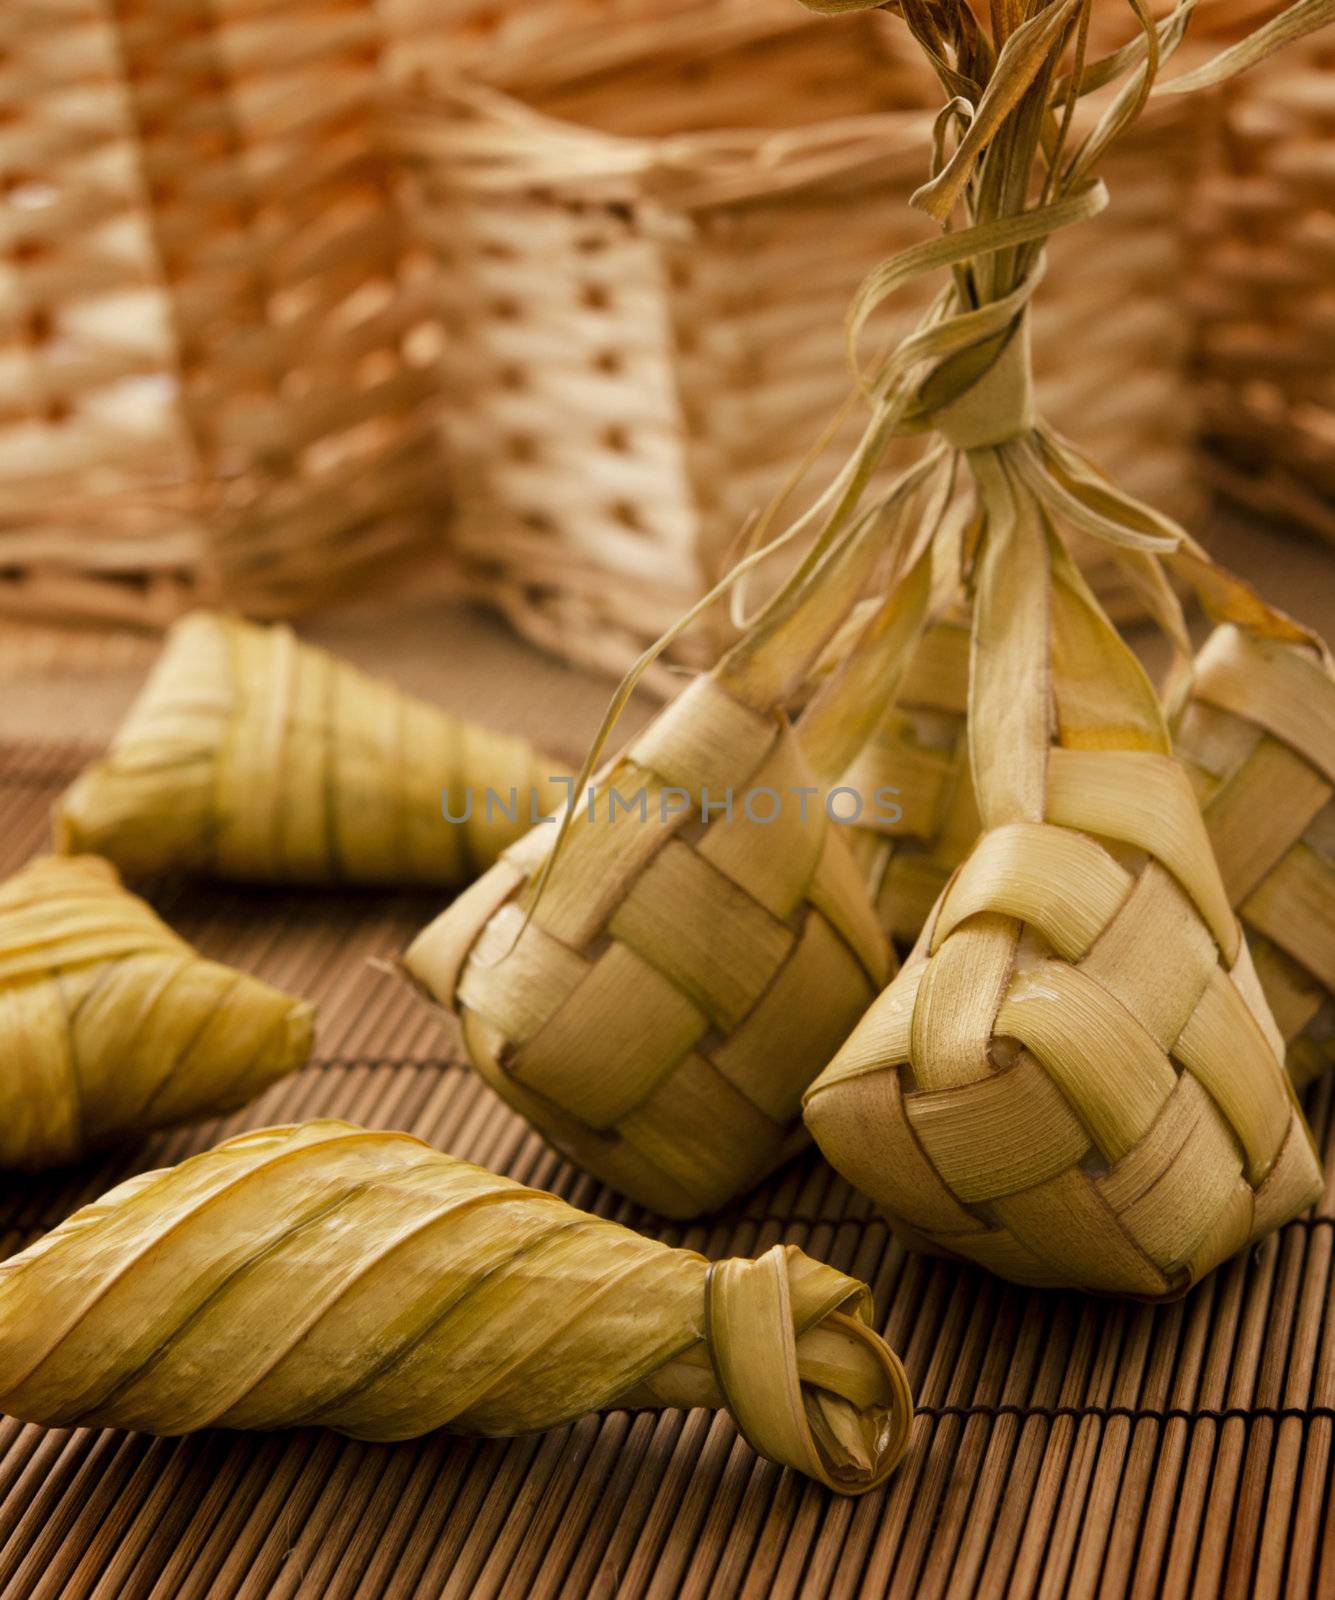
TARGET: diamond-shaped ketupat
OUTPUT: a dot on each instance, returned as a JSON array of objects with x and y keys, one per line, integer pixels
[{"x": 683, "y": 976}]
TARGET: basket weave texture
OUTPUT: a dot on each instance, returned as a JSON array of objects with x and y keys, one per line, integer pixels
[
  {"x": 921, "y": 752},
  {"x": 1266, "y": 290},
  {"x": 1050, "y": 1170},
  {"x": 207, "y": 311},
  {"x": 645, "y": 260},
  {"x": 1090, "y": 924}
]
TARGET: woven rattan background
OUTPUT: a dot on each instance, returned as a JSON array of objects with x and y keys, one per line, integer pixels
[
  {"x": 213, "y": 378},
  {"x": 1266, "y": 290},
  {"x": 1063, "y": 1445}
]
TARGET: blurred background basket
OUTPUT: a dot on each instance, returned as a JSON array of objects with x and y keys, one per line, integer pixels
[
  {"x": 209, "y": 389},
  {"x": 1265, "y": 219},
  {"x": 647, "y": 238}
]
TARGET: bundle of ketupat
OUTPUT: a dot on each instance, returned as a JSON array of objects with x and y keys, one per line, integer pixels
[
  {"x": 1075, "y": 1079},
  {"x": 252, "y": 755},
  {"x": 322, "y": 1274},
  {"x": 610, "y": 985},
  {"x": 111, "y": 1025}
]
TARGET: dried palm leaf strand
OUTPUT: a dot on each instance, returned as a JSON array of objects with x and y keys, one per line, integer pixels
[
  {"x": 323, "y": 1274},
  {"x": 252, "y": 755},
  {"x": 1258, "y": 738},
  {"x": 111, "y": 1025}
]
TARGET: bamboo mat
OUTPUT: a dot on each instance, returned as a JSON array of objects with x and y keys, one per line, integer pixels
[{"x": 1063, "y": 1445}]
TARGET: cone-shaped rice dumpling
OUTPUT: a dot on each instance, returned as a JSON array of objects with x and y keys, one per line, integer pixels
[
  {"x": 1258, "y": 739},
  {"x": 326, "y": 1275},
  {"x": 252, "y": 755},
  {"x": 111, "y": 1025}
]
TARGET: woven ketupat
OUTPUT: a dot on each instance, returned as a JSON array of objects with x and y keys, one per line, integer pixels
[
  {"x": 111, "y": 1025},
  {"x": 1257, "y": 742},
  {"x": 1258, "y": 737},
  {"x": 249, "y": 754},
  {"x": 684, "y": 976},
  {"x": 920, "y": 751},
  {"x": 327, "y": 1274},
  {"x": 1075, "y": 1079}
]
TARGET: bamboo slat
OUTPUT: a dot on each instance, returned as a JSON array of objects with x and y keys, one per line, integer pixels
[{"x": 1061, "y": 1444}]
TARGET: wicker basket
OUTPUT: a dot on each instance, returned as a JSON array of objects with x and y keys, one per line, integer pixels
[
  {"x": 1266, "y": 218},
  {"x": 207, "y": 369},
  {"x": 647, "y": 243}
]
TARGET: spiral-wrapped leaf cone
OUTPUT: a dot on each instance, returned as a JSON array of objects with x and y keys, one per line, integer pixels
[
  {"x": 322, "y": 1274},
  {"x": 251, "y": 755},
  {"x": 110, "y": 1024},
  {"x": 686, "y": 972}
]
